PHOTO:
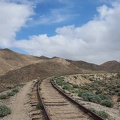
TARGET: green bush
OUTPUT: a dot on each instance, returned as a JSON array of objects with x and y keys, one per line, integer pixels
[
  {"x": 102, "y": 114},
  {"x": 118, "y": 94},
  {"x": 91, "y": 97},
  {"x": 4, "y": 110},
  {"x": 118, "y": 100},
  {"x": 80, "y": 93},
  {"x": 107, "y": 103},
  {"x": 16, "y": 90},
  {"x": 39, "y": 106},
  {"x": 3, "y": 96},
  {"x": 103, "y": 97},
  {"x": 66, "y": 87},
  {"x": 75, "y": 86},
  {"x": 75, "y": 77},
  {"x": 10, "y": 93},
  {"x": 117, "y": 90}
]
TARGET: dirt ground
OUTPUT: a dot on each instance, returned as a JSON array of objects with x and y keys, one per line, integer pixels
[{"x": 19, "y": 104}]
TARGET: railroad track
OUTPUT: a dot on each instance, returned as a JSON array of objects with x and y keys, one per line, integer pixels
[
  {"x": 35, "y": 114},
  {"x": 58, "y": 106}
]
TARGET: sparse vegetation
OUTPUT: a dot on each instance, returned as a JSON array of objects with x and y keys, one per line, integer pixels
[
  {"x": 4, "y": 110},
  {"x": 91, "y": 97},
  {"x": 107, "y": 103},
  {"x": 39, "y": 106},
  {"x": 16, "y": 90},
  {"x": 75, "y": 86},
  {"x": 102, "y": 114},
  {"x": 10, "y": 93},
  {"x": 103, "y": 97},
  {"x": 80, "y": 93},
  {"x": 75, "y": 77},
  {"x": 100, "y": 90},
  {"x": 66, "y": 87},
  {"x": 3, "y": 96},
  {"x": 118, "y": 100}
]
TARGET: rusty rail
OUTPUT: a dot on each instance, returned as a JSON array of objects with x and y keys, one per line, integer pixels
[{"x": 47, "y": 117}]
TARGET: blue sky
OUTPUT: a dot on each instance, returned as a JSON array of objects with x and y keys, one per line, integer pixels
[
  {"x": 73, "y": 29},
  {"x": 71, "y": 12}
]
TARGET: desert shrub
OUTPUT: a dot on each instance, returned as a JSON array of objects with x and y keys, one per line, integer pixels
[
  {"x": 91, "y": 97},
  {"x": 98, "y": 91},
  {"x": 16, "y": 90},
  {"x": 75, "y": 86},
  {"x": 118, "y": 94},
  {"x": 85, "y": 87},
  {"x": 4, "y": 110},
  {"x": 59, "y": 81},
  {"x": 75, "y": 77},
  {"x": 3, "y": 96},
  {"x": 93, "y": 110},
  {"x": 39, "y": 106},
  {"x": 107, "y": 103},
  {"x": 118, "y": 100},
  {"x": 117, "y": 90},
  {"x": 118, "y": 86},
  {"x": 103, "y": 97},
  {"x": 80, "y": 93},
  {"x": 10, "y": 93},
  {"x": 66, "y": 87},
  {"x": 118, "y": 75},
  {"x": 91, "y": 79},
  {"x": 102, "y": 114}
]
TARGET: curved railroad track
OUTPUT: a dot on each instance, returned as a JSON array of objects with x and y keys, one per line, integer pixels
[{"x": 58, "y": 106}]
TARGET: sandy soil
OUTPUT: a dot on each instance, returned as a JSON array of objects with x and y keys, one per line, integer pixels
[
  {"x": 76, "y": 79},
  {"x": 18, "y": 105}
]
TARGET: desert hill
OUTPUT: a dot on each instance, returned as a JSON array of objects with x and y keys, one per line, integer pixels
[
  {"x": 10, "y": 60},
  {"x": 111, "y": 66},
  {"x": 41, "y": 69},
  {"x": 85, "y": 65}
]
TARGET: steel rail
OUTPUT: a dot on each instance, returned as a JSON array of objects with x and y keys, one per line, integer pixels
[{"x": 47, "y": 117}]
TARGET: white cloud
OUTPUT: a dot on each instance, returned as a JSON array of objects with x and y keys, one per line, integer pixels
[
  {"x": 55, "y": 16},
  {"x": 12, "y": 18},
  {"x": 96, "y": 41}
]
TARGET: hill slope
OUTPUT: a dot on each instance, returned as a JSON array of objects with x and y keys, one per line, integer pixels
[
  {"x": 10, "y": 60},
  {"x": 85, "y": 65},
  {"x": 42, "y": 69},
  {"x": 111, "y": 66}
]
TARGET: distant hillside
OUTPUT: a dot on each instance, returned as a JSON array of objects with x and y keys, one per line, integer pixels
[
  {"x": 10, "y": 60},
  {"x": 43, "y": 69},
  {"x": 111, "y": 66},
  {"x": 85, "y": 65}
]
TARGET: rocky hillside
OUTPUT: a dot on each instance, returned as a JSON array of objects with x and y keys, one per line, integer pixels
[
  {"x": 111, "y": 66},
  {"x": 10, "y": 60},
  {"x": 41, "y": 69},
  {"x": 85, "y": 65}
]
